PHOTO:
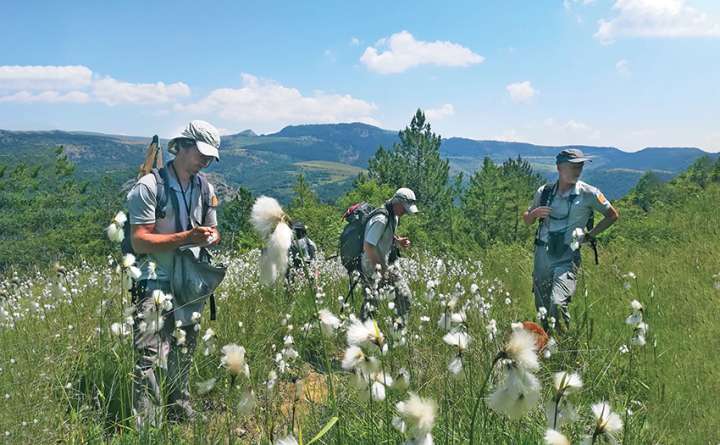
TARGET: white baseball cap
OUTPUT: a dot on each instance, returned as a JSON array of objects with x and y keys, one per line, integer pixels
[
  {"x": 205, "y": 135},
  {"x": 406, "y": 197}
]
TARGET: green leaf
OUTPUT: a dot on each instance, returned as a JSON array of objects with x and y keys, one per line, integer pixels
[{"x": 324, "y": 430}]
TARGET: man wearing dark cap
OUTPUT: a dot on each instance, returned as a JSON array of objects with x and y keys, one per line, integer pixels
[
  {"x": 302, "y": 250},
  {"x": 564, "y": 209}
]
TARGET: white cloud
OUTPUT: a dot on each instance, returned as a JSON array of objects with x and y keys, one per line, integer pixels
[
  {"x": 521, "y": 91},
  {"x": 265, "y": 103},
  {"x": 38, "y": 78},
  {"x": 355, "y": 41},
  {"x": 401, "y": 52},
  {"x": 439, "y": 113},
  {"x": 113, "y": 92},
  {"x": 567, "y": 132},
  {"x": 78, "y": 84},
  {"x": 623, "y": 67},
  {"x": 656, "y": 18},
  {"x": 27, "y": 97}
]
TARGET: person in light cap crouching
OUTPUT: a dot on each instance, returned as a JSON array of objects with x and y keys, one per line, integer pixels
[{"x": 378, "y": 244}]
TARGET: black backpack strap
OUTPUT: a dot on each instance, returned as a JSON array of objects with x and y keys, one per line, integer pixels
[
  {"x": 161, "y": 197},
  {"x": 213, "y": 308},
  {"x": 205, "y": 195},
  {"x": 546, "y": 193}
]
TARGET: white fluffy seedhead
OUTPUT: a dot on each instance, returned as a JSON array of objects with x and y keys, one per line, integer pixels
[
  {"x": 522, "y": 349},
  {"x": 274, "y": 259},
  {"x": 266, "y": 215},
  {"x": 516, "y": 394},
  {"x": 418, "y": 414}
]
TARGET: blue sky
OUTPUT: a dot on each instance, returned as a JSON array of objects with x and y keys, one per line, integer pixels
[{"x": 626, "y": 73}]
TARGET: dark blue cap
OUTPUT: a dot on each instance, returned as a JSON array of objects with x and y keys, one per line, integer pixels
[{"x": 572, "y": 155}]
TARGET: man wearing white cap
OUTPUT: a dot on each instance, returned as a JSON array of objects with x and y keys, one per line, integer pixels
[
  {"x": 378, "y": 243},
  {"x": 171, "y": 207}
]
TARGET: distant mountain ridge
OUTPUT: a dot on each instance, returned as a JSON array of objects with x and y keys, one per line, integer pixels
[{"x": 267, "y": 163}]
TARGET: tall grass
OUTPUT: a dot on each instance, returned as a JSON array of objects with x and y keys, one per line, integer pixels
[{"x": 65, "y": 376}]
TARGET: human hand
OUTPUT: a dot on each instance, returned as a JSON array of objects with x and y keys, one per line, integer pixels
[
  {"x": 200, "y": 235},
  {"x": 541, "y": 212},
  {"x": 403, "y": 242}
]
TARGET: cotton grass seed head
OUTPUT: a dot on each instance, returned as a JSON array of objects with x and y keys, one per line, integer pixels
[
  {"x": 566, "y": 383},
  {"x": 418, "y": 415},
  {"x": 365, "y": 334},
  {"x": 553, "y": 437},
  {"x": 521, "y": 348},
  {"x": 233, "y": 360},
  {"x": 606, "y": 421}
]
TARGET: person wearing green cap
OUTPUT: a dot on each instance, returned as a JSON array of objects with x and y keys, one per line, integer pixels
[{"x": 563, "y": 209}]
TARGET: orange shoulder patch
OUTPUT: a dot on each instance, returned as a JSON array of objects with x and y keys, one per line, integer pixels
[
  {"x": 601, "y": 198},
  {"x": 214, "y": 201}
]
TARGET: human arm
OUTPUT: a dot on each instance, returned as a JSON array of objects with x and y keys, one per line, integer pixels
[
  {"x": 373, "y": 256},
  {"x": 535, "y": 210},
  {"x": 145, "y": 240}
]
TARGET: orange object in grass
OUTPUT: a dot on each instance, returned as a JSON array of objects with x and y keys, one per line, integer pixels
[{"x": 541, "y": 337}]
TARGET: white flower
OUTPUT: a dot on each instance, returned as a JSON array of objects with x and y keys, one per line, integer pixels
[
  {"x": 417, "y": 417},
  {"x": 456, "y": 365},
  {"x": 522, "y": 349},
  {"x": 328, "y": 322},
  {"x": 162, "y": 300},
  {"x": 553, "y": 437},
  {"x": 457, "y": 339},
  {"x": 195, "y": 317},
  {"x": 542, "y": 313},
  {"x": 289, "y": 440},
  {"x": 567, "y": 383},
  {"x": 180, "y": 336},
  {"x": 352, "y": 358},
  {"x": 606, "y": 421},
  {"x": 134, "y": 272},
  {"x": 364, "y": 334},
  {"x": 636, "y": 306},
  {"x": 119, "y": 329},
  {"x": 206, "y": 386},
  {"x": 120, "y": 219},
  {"x": 128, "y": 260},
  {"x": 491, "y": 329},
  {"x": 517, "y": 394},
  {"x": 577, "y": 234},
  {"x": 623, "y": 349},
  {"x": 272, "y": 380},
  {"x": 638, "y": 340},
  {"x": 233, "y": 360},
  {"x": 247, "y": 403},
  {"x": 115, "y": 233},
  {"x": 562, "y": 413},
  {"x": 402, "y": 380},
  {"x": 152, "y": 270},
  {"x": 209, "y": 334},
  {"x": 377, "y": 391}
]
